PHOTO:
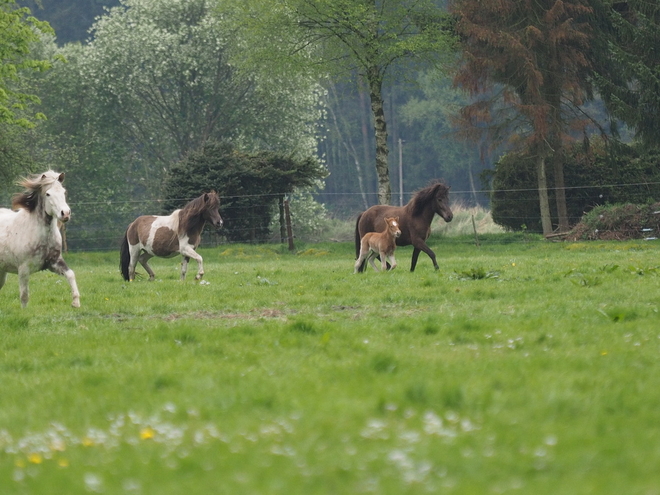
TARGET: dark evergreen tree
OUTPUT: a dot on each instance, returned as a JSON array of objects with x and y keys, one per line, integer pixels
[{"x": 249, "y": 184}]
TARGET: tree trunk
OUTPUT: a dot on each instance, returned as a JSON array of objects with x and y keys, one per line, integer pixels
[
  {"x": 544, "y": 204},
  {"x": 554, "y": 99},
  {"x": 375, "y": 81}
]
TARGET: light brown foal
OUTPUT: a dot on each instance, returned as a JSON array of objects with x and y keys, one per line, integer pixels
[{"x": 380, "y": 243}]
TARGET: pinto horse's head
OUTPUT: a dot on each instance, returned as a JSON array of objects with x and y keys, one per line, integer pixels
[{"x": 212, "y": 213}]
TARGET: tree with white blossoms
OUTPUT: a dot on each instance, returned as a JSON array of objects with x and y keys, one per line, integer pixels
[
  {"x": 155, "y": 83},
  {"x": 164, "y": 69}
]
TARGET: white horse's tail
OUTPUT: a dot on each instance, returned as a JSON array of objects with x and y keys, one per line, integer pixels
[{"x": 124, "y": 257}]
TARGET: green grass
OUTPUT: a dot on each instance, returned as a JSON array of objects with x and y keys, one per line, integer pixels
[{"x": 519, "y": 367}]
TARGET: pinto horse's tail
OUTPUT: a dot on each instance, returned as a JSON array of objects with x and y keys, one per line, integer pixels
[{"x": 124, "y": 257}]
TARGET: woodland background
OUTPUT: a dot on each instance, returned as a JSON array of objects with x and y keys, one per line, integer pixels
[{"x": 116, "y": 161}]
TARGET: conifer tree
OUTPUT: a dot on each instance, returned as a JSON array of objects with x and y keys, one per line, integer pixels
[{"x": 530, "y": 58}]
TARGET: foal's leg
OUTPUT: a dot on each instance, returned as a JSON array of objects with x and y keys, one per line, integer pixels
[
  {"x": 392, "y": 261},
  {"x": 61, "y": 268},
  {"x": 383, "y": 260},
  {"x": 23, "y": 276},
  {"x": 144, "y": 258},
  {"x": 189, "y": 251},
  {"x": 361, "y": 264},
  {"x": 371, "y": 257}
]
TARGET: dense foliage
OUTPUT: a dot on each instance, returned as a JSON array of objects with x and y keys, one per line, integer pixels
[
  {"x": 599, "y": 175},
  {"x": 250, "y": 185},
  {"x": 627, "y": 67},
  {"x": 18, "y": 31}
]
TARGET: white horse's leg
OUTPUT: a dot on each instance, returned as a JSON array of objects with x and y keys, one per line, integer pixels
[
  {"x": 60, "y": 267},
  {"x": 23, "y": 277},
  {"x": 189, "y": 252},
  {"x": 144, "y": 258}
]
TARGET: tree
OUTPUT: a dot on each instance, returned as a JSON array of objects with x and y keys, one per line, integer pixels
[
  {"x": 532, "y": 56},
  {"x": 154, "y": 85},
  {"x": 163, "y": 69},
  {"x": 18, "y": 31},
  {"x": 627, "y": 64},
  {"x": 372, "y": 37}
]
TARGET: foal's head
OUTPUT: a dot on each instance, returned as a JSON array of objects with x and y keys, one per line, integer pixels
[{"x": 393, "y": 226}]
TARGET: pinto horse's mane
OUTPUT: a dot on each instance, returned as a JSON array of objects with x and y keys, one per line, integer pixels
[
  {"x": 426, "y": 195},
  {"x": 30, "y": 198},
  {"x": 191, "y": 215}
]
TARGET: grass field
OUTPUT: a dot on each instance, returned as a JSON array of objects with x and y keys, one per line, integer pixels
[{"x": 521, "y": 366}]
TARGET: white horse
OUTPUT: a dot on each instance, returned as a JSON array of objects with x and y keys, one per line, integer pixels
[
  {"x": 165, "y": 236},
  {"x": 30, "y": 238}
]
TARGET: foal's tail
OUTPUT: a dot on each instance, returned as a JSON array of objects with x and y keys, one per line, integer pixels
[
  {"x": 357, "y": 237},
  {"x": 124, "y": 257},
  {"x": 357, "y": 244}
]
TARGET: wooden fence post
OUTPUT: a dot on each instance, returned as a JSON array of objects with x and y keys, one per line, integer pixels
[{"x": 289, "y": 229}]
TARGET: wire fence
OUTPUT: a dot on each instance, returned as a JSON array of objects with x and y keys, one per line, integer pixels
[{"x": 100, "y": 225}]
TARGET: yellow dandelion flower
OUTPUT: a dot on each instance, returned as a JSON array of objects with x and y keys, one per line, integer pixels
[
  {"x": 87, "y": 442},
  {"x": 20, "y": 463},
  {"x": 147, "y": 433},
  {"x": 35, "y": 458},
  {"x": 63, "y": 463},
  {"x": 603, "y": 353}
]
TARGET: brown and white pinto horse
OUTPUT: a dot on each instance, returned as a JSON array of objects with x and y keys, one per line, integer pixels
[
  {"x": 380, "y": 243},
  {"x": 165, "y": 236}
]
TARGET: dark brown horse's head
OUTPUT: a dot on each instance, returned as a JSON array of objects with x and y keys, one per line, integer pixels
[{"x": 437, "y": 196}]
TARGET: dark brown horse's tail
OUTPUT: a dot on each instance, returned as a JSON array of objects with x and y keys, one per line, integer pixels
[
  {"x": 124, "y": 257},
  {"x": 357, "y": 237}
]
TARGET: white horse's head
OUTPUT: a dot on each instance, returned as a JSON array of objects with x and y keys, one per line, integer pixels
[{"x": 54, "y": 194}]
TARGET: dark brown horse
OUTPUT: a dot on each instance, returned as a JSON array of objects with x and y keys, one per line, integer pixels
[
  {"x": 414, "y": 219},
  {"x": 165, "y": 236}
]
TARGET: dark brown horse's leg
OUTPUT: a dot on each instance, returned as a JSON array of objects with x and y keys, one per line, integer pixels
[
  {"x": 413, "y": 262},
  {"x": 421, "y": 246}
]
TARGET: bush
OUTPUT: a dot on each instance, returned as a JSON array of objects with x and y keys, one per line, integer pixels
[
  {"x": 250, "y": 186},
  {"x": 619, "y": 222},
  {"x": 594, "y": 175}
]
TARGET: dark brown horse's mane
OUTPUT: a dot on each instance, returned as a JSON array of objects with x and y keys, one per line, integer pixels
[
  {"x": 191, "y": 216},
  {"x": 30, "y": 198},
  {"x": 424, "y": 196}
]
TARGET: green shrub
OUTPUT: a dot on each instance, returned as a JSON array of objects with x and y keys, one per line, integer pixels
[{"x": 594, "y": 175}]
